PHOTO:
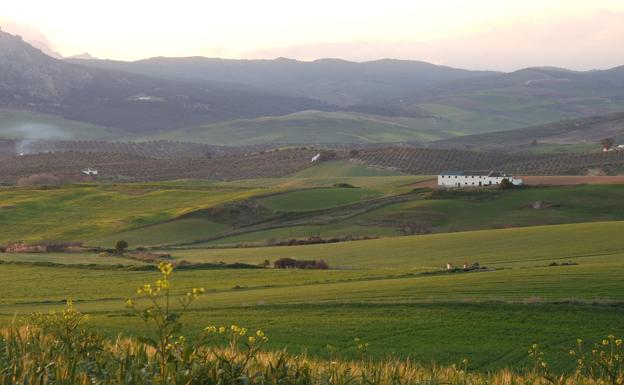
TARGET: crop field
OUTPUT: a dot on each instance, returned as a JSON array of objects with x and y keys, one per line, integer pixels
[
  {"x": 315, "y": 202},
  {"x": 82, "y": 212},
  {"x": 448, "y": 213},
  {"x": 392, "y": 292},
  {"x": 316, "y": 199},
  {"x": 431, "y": 161},
  {"x": 128, "y": 167},
  {"x": 550, "y": 261}
]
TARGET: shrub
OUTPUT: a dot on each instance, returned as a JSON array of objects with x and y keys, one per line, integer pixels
[
  {"x": 290, "y": 263},
  {"x": 506, "y": 184},
  {"x": 121, "y": 246},
  {"x": 39, "y": 180}
]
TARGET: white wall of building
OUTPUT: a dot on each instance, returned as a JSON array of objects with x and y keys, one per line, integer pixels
[{"x": 473, "y": 180}]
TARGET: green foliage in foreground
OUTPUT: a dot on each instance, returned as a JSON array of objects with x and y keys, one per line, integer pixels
[
  {"x": 57, "y": 348},
  {"x": 55, "y": 354}
]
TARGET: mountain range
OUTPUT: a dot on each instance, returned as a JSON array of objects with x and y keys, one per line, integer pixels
[{"x": 230, "y": 102}]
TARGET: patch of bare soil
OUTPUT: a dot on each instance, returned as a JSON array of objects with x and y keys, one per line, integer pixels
[{"x": 571, "y": 180}]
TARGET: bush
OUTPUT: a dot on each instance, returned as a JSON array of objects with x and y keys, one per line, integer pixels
[
  {"x": 506, "y": 184},
  {"x": 121, "y": 246},
  {"x": 291, "y": 263},
  {"x": 48, "y": 180}
]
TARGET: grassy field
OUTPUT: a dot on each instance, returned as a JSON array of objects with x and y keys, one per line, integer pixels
[
  {"x": 86, "y": 212},
  {"x": 252, "y": 212},
  {"x": 316, "y": 199},
  {"x": 460, "y": 212},
  {"x": 552, "y": 274},
  {"x": 378, "y": 292},
  {"x": 315, "y": 127},
  {"x": 17, "y": 124},
  {"x": 148, "y": 214}
]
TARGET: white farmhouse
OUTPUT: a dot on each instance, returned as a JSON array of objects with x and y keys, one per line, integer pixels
[
  {"x": 474, "y": 179},
  {"x": 89, "y": 171}
]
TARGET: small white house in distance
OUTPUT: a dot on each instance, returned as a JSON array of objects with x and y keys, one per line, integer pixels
[
  {"x": 474, "y": 179},
  {"x": 89, "y": 171}
]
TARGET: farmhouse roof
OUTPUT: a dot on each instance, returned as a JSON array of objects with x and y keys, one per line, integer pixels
[
  {"x": 452, "y": 173},
  {"x": 493, "y": 174}
]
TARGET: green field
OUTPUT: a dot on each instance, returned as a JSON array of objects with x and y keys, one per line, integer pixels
[
  {"x": 378, "y": 292},
  {"x": 316, "y": 199},
  {"x": 315, "y": 127},
  {"x": 393, "y": 292},
  {"x": 86, "y": 212},
  {"x": 18, "y": 124},
  {"x": 456, "y": 212},
  {"x": 313, "y": 202}
]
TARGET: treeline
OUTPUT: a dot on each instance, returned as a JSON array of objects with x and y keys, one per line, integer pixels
[{"x": 291, "y": 263}]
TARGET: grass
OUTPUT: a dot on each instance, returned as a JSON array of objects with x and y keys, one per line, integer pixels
[
  {"x": 89, "y": 212},
  {"x": 19, "y": 124},
  {"x": 342, "y": 169},
  {"x": 512, "y": 208},
  {"x": 295, "y": 207},
  {"x": 60, "y": 348},
  {"x": 539, "y": 244},
  {"x": 315, "y": 127},
  {"x": 378, "y": 293},
  {"x": 457, "y": 212},
  {"x": 393, "y": 291},
  {"x": 316, "y": 199},
  {"x": 177, "y": 231}
]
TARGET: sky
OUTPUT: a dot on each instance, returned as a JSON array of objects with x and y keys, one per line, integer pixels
[{"x": 478, "y": 34}]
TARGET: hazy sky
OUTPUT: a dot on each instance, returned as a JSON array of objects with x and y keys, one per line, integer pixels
[{"x": 489, "y": 34}]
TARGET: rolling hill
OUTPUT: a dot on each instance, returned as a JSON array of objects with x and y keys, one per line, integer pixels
[
  {"x": 333, "y": 81},
  {"x": 429, "y": 101},
  {"x": 588, "y": 131},
  {"x": 309, "y": 127},
  {"x": 232, "y": 102},
  {"x": 31, "y": 80}
]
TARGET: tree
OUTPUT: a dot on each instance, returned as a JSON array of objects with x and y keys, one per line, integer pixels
[
  {"x": 607, "y": 143},
  {"x": 121, "y": 246},
  {"x": 506, "y": 184}
]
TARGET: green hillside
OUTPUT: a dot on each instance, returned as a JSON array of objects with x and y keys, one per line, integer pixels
[
  {"x": 19, "y": 124},
  {"x": 316, "y": 127},
  {"x": 84, "y": 212},
  {"x": 316, "y": 199},
  {"x": 451, "y": 212},
  {"x": 315, "y": 202}
]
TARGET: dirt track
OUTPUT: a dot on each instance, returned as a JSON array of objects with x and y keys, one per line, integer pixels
[
  {"x": 571, "y": 180},
  {"x": 550, "y": 180}
]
